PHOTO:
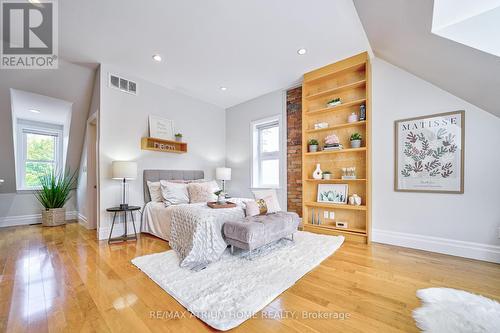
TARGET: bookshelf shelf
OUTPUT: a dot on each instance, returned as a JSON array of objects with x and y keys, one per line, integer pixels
[
  {"x": 342, "y": 106},
  {"x": 332, "y": 227},
  {"x": 357, "y": 84},
  {"x": 326, "y": 181},
  {"x": 334, "y": 127},
  {"x": 340, "y": 151},
  {"x": 333, "y": 206}
]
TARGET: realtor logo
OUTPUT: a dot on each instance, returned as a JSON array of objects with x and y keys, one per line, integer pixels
[{"x": 29, "y": 34}]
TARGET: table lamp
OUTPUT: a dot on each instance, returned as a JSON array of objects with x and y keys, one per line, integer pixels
[
  {"x": 223, "y": 174},
  {"x": 124, "y": 170}
]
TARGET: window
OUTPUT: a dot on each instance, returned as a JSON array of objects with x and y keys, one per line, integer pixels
[
  {"x": 266, "y": 153},
  {"x": 39, "y": 151}
]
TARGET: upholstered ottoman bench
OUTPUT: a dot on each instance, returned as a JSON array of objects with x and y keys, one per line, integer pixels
[{"x": 253, "y": 232}]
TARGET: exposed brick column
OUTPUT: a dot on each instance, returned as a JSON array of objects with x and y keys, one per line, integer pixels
[{"x": 294, "y": 149}]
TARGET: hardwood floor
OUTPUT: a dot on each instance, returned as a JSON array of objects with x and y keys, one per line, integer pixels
[{"x": 62, "y": 279}]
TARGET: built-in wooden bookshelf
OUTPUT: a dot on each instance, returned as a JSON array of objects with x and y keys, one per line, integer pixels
[
  {"x": 349, "y": 80},
  {"x": 166, "y": 146}
]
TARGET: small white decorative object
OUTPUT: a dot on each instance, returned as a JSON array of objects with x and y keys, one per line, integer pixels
[
  {"x": 320, "y": 125},
  {"x": 349, "y": 173},
  {"x": 317, "y": 174},
  {"x": 353, "y": 117},
  {"x": 221, "y": 198},
  {"x": 355, "y": 200}
]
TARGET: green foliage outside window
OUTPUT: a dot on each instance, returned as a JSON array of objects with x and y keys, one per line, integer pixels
[{"x": 40, "y": 153}]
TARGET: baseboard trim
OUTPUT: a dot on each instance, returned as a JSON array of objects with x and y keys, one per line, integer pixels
[
  {"x": 83, "y": 220},
  {"x": 453, "y": 247},
  {"x": 12, "y": 221}
]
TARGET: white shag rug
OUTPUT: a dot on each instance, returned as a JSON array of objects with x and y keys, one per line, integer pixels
[
  {"x": 232, "y": 290},
  {"x": 447, "y": 310}
]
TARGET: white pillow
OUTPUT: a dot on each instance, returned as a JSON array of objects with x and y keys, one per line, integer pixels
[
  {"x": 174, "y": 193},
  {"x": 271, "y": 197},
  {"x": 155, "y": 191}
]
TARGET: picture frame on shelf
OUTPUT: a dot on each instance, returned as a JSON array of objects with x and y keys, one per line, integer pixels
[
  {"x": 333, "y": 193},
  {"x": 430, "y": 153},
  {"x": 161, "y": 128}
]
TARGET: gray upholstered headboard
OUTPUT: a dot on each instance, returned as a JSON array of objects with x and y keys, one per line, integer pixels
[{"x": 157, "y": 175}]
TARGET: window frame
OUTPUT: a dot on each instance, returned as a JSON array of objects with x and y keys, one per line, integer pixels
[
  {"x": 25, "y": 127},
  {"x": 258, "y": 156}
]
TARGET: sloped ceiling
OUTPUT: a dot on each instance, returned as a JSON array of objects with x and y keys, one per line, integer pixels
[
  {"x": 70, "y": 83},
  {"x": 399, "y": 32},
  {"x": 248, "y": 46}
]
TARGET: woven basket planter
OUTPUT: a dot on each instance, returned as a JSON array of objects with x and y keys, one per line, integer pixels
[{"x": 54, "y": 217}]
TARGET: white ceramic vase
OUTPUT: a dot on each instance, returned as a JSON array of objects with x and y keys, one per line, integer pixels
[
  {"x": 355, "y": 200},
  {"x": 317, "y": 174}
]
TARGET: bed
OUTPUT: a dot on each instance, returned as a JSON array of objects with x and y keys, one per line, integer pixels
[
  {"x": 194, "y": 231},
  {"x": 156, "y": 217}
]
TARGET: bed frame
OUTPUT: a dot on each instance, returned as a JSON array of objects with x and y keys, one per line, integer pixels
[{"x": 157, "y": 175}]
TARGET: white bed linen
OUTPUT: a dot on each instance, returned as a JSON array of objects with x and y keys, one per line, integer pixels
[
  {"x": 156, "y": 219},
  {"x": 194, "y": 231}
]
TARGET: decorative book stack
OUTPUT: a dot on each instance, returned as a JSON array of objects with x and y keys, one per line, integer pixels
[{"x": 335, "y": 146}]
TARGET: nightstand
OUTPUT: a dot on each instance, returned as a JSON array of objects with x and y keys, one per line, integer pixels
[{"x": 116, "y": 211}]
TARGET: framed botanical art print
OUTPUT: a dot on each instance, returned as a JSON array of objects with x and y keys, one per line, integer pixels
[
  {"x": 430, "y": 153},
  {"x": 333, "y": 193}
]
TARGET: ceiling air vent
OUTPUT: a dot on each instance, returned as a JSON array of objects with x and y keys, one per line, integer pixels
[{"x": 122, "y": 84}]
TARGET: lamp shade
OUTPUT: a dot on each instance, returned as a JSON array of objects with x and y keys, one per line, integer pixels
[
  {"x": 124, "y": 170},
  {"x": 223, "y": 173}
]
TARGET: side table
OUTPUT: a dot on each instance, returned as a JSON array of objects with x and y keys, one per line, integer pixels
[{"x": 116, "y": 211}]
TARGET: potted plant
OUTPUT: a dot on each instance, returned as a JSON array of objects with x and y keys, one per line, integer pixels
[
  {"x": 356, "y": 140},
  {"x": 334, "y": 102},
  {"x": 221, "y": 197},
  {"x": 327, "y": 175},
  {"x": 313, "y": 145},
  {"x": 178, "y": 137},
  {"x": 55, "y": 191}
]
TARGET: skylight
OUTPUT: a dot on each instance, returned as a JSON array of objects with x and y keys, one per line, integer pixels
[{"x": 472, "y": 23}]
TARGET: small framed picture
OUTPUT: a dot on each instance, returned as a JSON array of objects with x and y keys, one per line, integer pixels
[
  {"x": 161, "y": 128},
  {"x": 333, "y": 193}
]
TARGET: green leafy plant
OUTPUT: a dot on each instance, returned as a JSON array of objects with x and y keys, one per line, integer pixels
[
  {"x": 55, "y": 188},
  {"x": 327, "y": 173},
  {"x": 217, "y": 193},
  {"x": 335, "y": 100},
  {"x": 313, "y": 142},
  {"x": 356, "y": 136},
  {"x": 178, "y": 135}
]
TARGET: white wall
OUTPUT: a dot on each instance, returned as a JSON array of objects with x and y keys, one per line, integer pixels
[
  {"x": 24, "y": 208},
  {"x": 124, "y": 120},
  {"x": 82, "y": 176},
  {"x": 461, "y": 224},
  {"x": 239, "y": 141}
]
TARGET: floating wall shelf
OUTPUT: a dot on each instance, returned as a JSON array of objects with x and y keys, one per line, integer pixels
[{"x": 165, "y": 146}]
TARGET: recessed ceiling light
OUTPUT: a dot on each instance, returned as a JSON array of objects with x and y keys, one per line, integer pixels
[
  {"x": 301, "y": 51},
  {"x": 34, "y": 111},
  {"x": 157, "y": 57},
  {"x": 223, "y": 88}
]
